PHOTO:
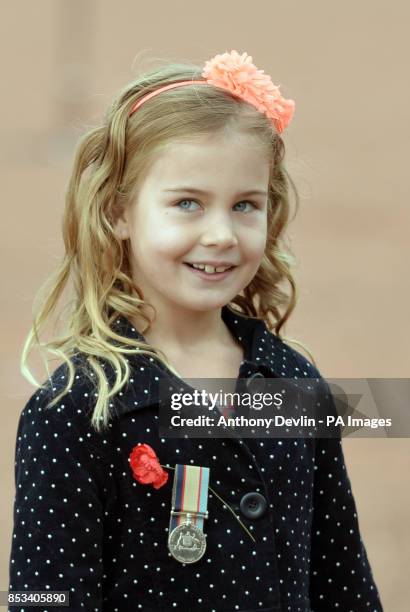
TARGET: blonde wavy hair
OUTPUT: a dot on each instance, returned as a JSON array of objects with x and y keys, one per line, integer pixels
[{"x": 109, "y": 165}]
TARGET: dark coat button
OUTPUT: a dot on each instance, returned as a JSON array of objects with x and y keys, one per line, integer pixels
[
  {"x": 254, "y": 382},
  {"x": 253, "y": 505}
]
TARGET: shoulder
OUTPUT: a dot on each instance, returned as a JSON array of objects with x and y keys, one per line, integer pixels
[
  {"x": 68, "y": 421},
  {"x": 290, "y": 362},
  {"x": 74, "y": 404},
  {"x": 305, "y": 376}
]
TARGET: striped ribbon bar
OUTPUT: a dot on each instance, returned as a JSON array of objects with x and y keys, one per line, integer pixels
[{"x": 189, "y": 494}]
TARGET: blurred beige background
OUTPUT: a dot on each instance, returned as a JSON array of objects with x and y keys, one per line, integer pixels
[{"x": 346, "y": 66}]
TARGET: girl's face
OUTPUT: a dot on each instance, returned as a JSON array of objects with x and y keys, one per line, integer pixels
[{"x": 170, "y": 224}]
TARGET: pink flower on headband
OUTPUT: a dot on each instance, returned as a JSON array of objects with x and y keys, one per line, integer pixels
[{"x": 237, "y": 74}]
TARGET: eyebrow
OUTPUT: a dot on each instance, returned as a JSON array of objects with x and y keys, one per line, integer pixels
[{"x": 202, "y": 192}]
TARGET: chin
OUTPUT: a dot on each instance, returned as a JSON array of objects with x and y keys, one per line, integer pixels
[{"x": 204, "y": 305}]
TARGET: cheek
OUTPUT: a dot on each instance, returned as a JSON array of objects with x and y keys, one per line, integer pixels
[
  {"x": 253, "y": 242},
  {"x": 171, "y": 242},
  {"x": 160, "y": 239}
]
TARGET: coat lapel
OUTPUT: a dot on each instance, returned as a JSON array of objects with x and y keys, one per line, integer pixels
[{"x": 149, "y": 376}]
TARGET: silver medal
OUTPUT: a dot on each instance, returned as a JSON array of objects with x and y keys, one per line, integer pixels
[{"x": 187, "y": 542}]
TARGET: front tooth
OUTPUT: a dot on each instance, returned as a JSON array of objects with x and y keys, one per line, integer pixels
[{"x": 210, "y": 269}]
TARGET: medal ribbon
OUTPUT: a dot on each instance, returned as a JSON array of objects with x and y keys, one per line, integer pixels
[{"x": 189, "y": 494}]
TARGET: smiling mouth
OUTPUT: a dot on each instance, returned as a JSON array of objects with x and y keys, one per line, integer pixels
[
  {"x": 208, "y": 269},
  {"x": 211, "y": 273}
]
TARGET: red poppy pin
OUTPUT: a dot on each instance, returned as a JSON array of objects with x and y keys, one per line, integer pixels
[{"x": 145, "y": 466}]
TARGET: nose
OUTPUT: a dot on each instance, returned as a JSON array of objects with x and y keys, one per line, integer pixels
[{"x": 219, "y": 231}]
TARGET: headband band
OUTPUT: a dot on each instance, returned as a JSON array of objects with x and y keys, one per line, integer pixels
[{"x": 239, "y": 76}]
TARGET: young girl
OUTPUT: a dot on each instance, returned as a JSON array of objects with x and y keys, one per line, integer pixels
[{"x": 173, "y": 229}]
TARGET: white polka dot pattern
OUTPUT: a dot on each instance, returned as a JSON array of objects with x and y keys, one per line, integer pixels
[{"x": 83, "y": 524}]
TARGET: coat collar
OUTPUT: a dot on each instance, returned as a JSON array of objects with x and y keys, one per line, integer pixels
[{"x": 142, "y": 390}]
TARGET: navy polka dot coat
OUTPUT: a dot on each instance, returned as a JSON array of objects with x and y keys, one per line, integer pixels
[{"x": 83, "y": 524}]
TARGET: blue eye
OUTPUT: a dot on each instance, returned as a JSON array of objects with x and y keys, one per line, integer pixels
[
  {"x": 246, "y": 202},
  {"x": 178, "y": 204},
  {"x": 182, "y": 201}
]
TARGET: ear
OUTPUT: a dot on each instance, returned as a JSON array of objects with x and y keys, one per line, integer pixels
[{"x": 121, "y": 227}]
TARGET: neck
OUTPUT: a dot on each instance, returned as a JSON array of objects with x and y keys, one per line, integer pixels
[{"x": 186, "y": 331}]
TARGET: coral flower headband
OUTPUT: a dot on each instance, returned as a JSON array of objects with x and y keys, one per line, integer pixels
[{"x": 238, "y": 75}]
